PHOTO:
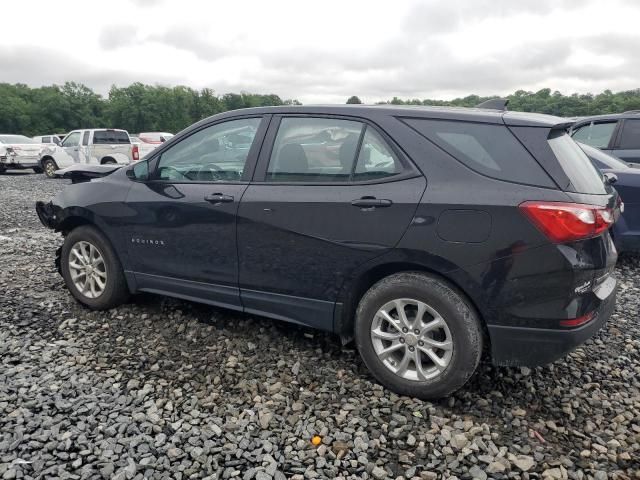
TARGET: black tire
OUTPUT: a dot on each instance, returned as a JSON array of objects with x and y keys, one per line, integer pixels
[
  {"x": 460, "y": 318},
  {"x": 115, "y": 292},
  {"x": 49, "y": 167},
  {"x": 108, "y": 161},
  {"x": 2, "y": 170},
  {"x": 38, "y": 169}
]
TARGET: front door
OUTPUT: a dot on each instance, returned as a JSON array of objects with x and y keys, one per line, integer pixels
[
  {"x": 182, "y": 230},
  {"x": 69, "y": 150},
  {"x": 330, "y": 195}
]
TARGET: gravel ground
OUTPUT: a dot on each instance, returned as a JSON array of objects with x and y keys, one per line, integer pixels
[{"x": 163, "y": 388}]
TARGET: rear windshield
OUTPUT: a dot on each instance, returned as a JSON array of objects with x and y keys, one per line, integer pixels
[
  {"x": 101, "y": 137},
  {"x": 16, "y": 139},
  {"x": 488, "y": 149},
  {"x": 584, "y": 176}
]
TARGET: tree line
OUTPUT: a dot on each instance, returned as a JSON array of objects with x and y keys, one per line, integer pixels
[
  {"x": 138, "y": 107},
  {"x": 544, "y": 101}
]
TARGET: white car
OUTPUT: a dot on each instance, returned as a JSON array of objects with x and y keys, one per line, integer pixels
[
  {"x": 98, "y": 146},
  {"x": 48, "y": 139},
  {"x": 19, "y": 152},
  {"x": 143, "y": 147}
]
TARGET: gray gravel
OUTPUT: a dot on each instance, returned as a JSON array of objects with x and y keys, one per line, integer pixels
[{"x": 163, "y": 388}]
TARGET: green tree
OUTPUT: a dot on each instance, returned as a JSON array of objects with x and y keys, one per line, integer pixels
[{"x": 353, "y": 100}]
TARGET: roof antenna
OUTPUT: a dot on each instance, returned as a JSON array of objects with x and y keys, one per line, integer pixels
[{"x": 494, "y": 104}]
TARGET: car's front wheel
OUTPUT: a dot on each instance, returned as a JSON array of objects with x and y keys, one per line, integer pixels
[
  {"x": 417, "y": 335},
  {"x": 49, "y": 166},
  {"x": 92, "y": 270}
]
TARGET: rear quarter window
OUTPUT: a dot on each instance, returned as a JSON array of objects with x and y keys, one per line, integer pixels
[
  {"x": 488, "y": 149},
  {"x": 110, "y": 137}
]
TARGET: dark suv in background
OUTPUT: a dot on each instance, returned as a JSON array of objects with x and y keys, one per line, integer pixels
[
  {"x": 617, "y": 134},
  {"x": 427, "y": 234}
]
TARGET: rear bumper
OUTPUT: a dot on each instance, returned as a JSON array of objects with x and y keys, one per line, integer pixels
[{"x": 532, "y": 347}]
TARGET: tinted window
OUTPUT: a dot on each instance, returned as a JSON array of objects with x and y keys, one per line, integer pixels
[
  {"x": 314, "y": 150},
  {"x": 72, "y": 140},
  {"x": 630, "y": 135},
  {"x": 46, "y": 139},
  {"x": 584, "y": 176},
  {"x": 595, "y": 134},
  {"x": 214, "y": 154},
  {"x": 110, "y": 137},
  {"x": 85, "y": 138},
  {"x": 375, "y": 160},
  {"x": 485, "y": 148}
]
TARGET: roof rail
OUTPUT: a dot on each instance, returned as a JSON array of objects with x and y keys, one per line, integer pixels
[
  {"x": 632, "y": 111},
  {"x": 494, "y": 104}
]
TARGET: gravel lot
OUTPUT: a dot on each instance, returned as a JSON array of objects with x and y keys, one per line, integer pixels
[{"x": 163, "y": 388}]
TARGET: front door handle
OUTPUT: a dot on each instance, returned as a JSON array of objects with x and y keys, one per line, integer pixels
[
  {"x": 218, "y": 198},
  {"x": 371, "y": 202}
]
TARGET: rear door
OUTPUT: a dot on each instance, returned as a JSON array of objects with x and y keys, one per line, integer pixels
[
  {"x": 627, "y": 146},
  {"x": 328, "y": 194}
]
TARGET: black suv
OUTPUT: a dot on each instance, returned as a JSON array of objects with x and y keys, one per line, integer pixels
[
  {"x": 617, "y": 134},
  {"x": 427, "y": 234}
]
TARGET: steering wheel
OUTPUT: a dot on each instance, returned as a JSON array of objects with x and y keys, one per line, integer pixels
[{"x": 213, "y": 169}]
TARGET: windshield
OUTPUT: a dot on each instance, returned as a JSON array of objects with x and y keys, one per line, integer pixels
[
  {"x": 602, "y": 159},
  {"x": 584, "y": 176},
  {"x": 15, "y": 139}
]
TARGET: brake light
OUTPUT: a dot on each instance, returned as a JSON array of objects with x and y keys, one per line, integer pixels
[
  {"x": 576, "y": 322},
  {"x": 135, "y": 153},
  {"x": 565, "y": 222}
]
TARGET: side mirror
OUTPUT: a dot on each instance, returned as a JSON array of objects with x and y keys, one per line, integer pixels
[
  {"x": 139, "y": 172},
  {"x": 610, "y": 178}
]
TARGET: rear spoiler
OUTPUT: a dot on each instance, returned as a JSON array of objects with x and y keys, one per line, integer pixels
[{"x": 86, "y": 173}]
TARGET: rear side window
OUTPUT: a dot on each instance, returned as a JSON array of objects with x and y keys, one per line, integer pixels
[
  {"x": 488, "y": 149},
  {"x": 595, "y": 134},
  {"x": 314, "y": 150},
  {"x": 85, "y": 138},
  {"x": 109, "y": 137},
  {"x": 584, "y": 176},
  {"x": 630, "y": 139}
]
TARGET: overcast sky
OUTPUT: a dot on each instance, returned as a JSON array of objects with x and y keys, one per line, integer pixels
[{"x": 325, "y": 51}]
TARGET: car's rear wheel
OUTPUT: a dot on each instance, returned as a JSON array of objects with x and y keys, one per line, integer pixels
[
  {"x": 417, "y": 335},
  {"x": 92, "y": 270},
  {"x": 49, "y": 166}
]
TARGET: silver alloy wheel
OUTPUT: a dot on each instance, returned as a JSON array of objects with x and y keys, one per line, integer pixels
[
  {"x": 87, "y": 269},
  {"x": 412, "y": 339},
  {"x": 50, "y": 168}
]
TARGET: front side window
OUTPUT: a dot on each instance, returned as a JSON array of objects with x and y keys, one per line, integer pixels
[
  {"x": 375, "y": 159},
  {"x": 630, "y": 135},
  {"x": 314, "y": 150},
  {"x": 214, "y": 154},
  {"x": 595, "y": 134},
  {"x": 72, "y": 140}
]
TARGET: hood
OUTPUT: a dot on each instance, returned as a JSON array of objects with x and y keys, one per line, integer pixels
[{"x": 85, "y": 173}]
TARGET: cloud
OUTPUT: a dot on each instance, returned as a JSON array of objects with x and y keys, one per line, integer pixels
[
  {"x": 192, "y": 40},
  {"x": 116, "y": 36}
]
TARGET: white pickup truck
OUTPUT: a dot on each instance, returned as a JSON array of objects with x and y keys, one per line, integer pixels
[{"x": 98, "y": 146}]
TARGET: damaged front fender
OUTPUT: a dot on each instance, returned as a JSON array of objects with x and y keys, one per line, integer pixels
[{"x": 49, "y": 214}]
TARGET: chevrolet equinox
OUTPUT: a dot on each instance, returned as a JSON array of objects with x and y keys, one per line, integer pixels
[{"x": 427, "y": 235}]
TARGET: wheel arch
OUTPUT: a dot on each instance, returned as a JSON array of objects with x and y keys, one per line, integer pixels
[
  {"x": 344, "y": 318},
  {"x": 107, "y": 159}
]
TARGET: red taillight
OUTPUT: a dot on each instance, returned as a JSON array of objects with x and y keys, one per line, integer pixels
[
  {"x": 565, "y": 222},
  {"x": 135, "y": 153},
  {"x": 576, "y": 322}
]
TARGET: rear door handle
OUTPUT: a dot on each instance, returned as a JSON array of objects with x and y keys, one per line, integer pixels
[
  {"x": 371, "y": 202},
  {"x": 218, "y": 198}
]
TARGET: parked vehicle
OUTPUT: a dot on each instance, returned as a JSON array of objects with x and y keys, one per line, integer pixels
[
  {"x": 50, "y": 139},
  {"x": 616, "y": 134},
  {"x": 144, "y": 148},
  {"x": 19, "y": 152},
  {"x": 93, "y": 146},
  {"x": 427, "y": 234},
  {"x": 155, "y": 137},
  {"x": 626, "y": 231}
]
